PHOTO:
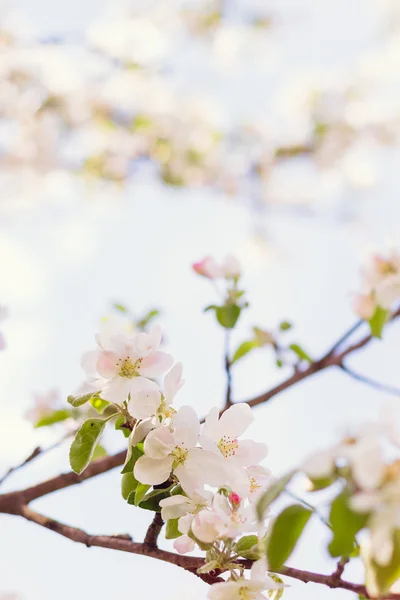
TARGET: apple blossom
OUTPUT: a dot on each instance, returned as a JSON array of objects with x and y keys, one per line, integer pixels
[
  {"x": 246, "y": 589},
  {"x": 173, "y": 449},
  {"x": 125, "y": 364},
  {"x": 381, "y": 285},
  {"x": 224, "y": 519},
  {"x": 221, "y": 436},
  {"x": 259, "y": 477}
]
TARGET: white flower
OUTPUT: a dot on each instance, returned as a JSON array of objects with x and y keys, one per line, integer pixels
[
  {"x": 230, "y": 268},
  {"x": 384, "y": 504},
  {"x": 221, "y": 436},
  {"x": 123, "y": 364},
  {"x": 227, "y": 517},
  {"x": 380, "y": 283},
  {"x": 363, "y": 453},
  {"x": 178, "y": 506},
  {"x": 259, "y": 477},
  {"x": 173, "y": 449},
  {"x": 245, "y": 589}
]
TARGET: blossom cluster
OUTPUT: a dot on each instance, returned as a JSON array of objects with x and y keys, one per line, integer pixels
[
  {"x": 212, "y": 476},
  {"x": 367, "y": 466},
  {"x": 380, "y": 285}
]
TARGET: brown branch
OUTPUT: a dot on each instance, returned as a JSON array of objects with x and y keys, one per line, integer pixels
[
  {"x": 189, "y": 563},
  {"x": 330, "y": 359},
  {"x": 154, "y": 531}
]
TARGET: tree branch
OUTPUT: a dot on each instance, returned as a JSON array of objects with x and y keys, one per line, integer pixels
[
  {"x": 189, "y": 563},
  {"x": 382, "y": 387},
  {"x": 16, "y": 503},
  {"x": 154, "y": 531}
]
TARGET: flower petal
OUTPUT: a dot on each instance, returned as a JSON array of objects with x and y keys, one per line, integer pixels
[
  {"x": 159, "y": 443},
  {"x": 116, "y": 390},
  {"x": 184, "y": 544},
  {"x": 152, "y": 472},
  {"x": 155, "y": 364},
  {"x": 249, "y": 453},
  {"x": 236, "y": 420},
  {"x": 186, "y": 427},
  {"x": 173, "y": 382},
  {"x": 144, "y": 403},
  {"x": 107, "y": 364}
]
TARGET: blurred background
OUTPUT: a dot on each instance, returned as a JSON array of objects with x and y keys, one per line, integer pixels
[{"x": 137, "y": 137}]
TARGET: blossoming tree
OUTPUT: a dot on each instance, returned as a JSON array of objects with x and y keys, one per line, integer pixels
[{"x": 207, "y": 485}]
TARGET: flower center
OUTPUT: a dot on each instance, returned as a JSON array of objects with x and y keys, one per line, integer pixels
[
  {"x": 254, "y": 486},
  {"x": 245, "y": 594},
  {"x": 228, "y": 446},
  {"x": 180, "y": 454},
  {"x": 127, "y": 368}
]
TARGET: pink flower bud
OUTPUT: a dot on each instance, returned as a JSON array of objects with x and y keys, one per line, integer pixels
[
  {"x": 234, "y": 499},
  {"x": 207, "y": 268}
]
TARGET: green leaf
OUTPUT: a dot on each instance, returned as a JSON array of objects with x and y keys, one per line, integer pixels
[
  {"x": 131, "y": 457},
  {"x": 172, "y": 532},
  {"x": 120, "y": 307},
  {"x": 285, "y": 534},
  {"x": 245, "y": 543},
  {"x": 247, "y": 547},
  {"x": 285, "y": 326},
  {"x": 84, "y": 444},
  {"x": 227, "y": 316},
  {"x": 381, "y": 578},
  {"x": 378, "y": 320},
  {"x": 345, "y": 523},
  {"x": 151, "y": 501},
  {"x": 76, "y": 401},
  {"x": 147, "y": 318},
  {"x": 119, "y": 426},
  {"x": 271, "y": 494},
  {"x": 140, "y": 493},
  {"x": 302, "y": 354},
  {"x": 99, "y": 404},
  {"x": 128, "y": 485},
  {"x": 244, "y": 349},
  {"x": 55, "y": 417},
  {"x": 99, "y": 452},
  {"x": 320, "y": 483},
  {"x": 279, "y": 363}
]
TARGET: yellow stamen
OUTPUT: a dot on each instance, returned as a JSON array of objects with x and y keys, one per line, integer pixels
[{"x": 228, "y": 446}]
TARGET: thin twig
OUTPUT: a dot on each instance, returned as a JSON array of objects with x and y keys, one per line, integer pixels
[
  {"x": 382, "y": 387},
  {"x": 38, "y": 451},
  {"x": 310, "y": 507},
  {"x": 228, "y": 396}
]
